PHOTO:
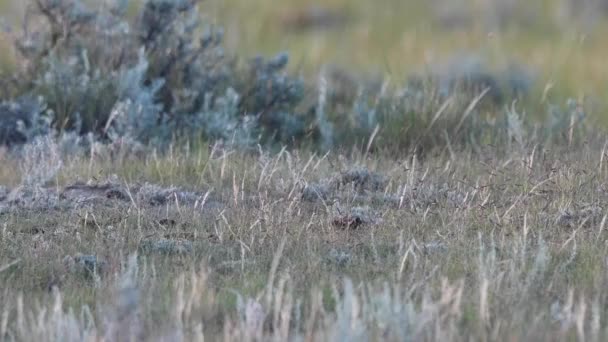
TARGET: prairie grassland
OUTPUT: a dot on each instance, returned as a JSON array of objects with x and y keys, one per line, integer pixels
[
  {"x": 211, "y": 243},
  {"x": 479, "y": 228}
]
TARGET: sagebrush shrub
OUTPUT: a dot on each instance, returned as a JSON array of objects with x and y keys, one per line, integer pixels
[
  {"x": 23, "y": 119},
  {"x": 461, "y": 104},
  {"x": 159, "y": 76}
]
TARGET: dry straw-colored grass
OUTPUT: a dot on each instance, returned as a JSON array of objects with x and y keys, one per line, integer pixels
[
  {"x": 457, "y": 243},
  {"x": 220, "y": 244}
]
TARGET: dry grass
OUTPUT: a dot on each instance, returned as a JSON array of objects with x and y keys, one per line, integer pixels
[
  {"x": 504, "y": 243},
  {"x": 222, "y": 244}
]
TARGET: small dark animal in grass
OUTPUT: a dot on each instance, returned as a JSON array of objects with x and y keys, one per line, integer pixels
[
  {"x": 347, "y": 222},
  {"x": 353, "y": 219}
]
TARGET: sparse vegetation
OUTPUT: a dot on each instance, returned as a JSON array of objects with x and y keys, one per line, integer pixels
[
  {"x": 156, "y": 185},
  {"x": 453, "y": 247}
]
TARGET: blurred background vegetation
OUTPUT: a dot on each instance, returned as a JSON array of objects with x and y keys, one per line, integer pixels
[
  {"x": 550, "y": 51},
  {"x": 560, "y": 39}
]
